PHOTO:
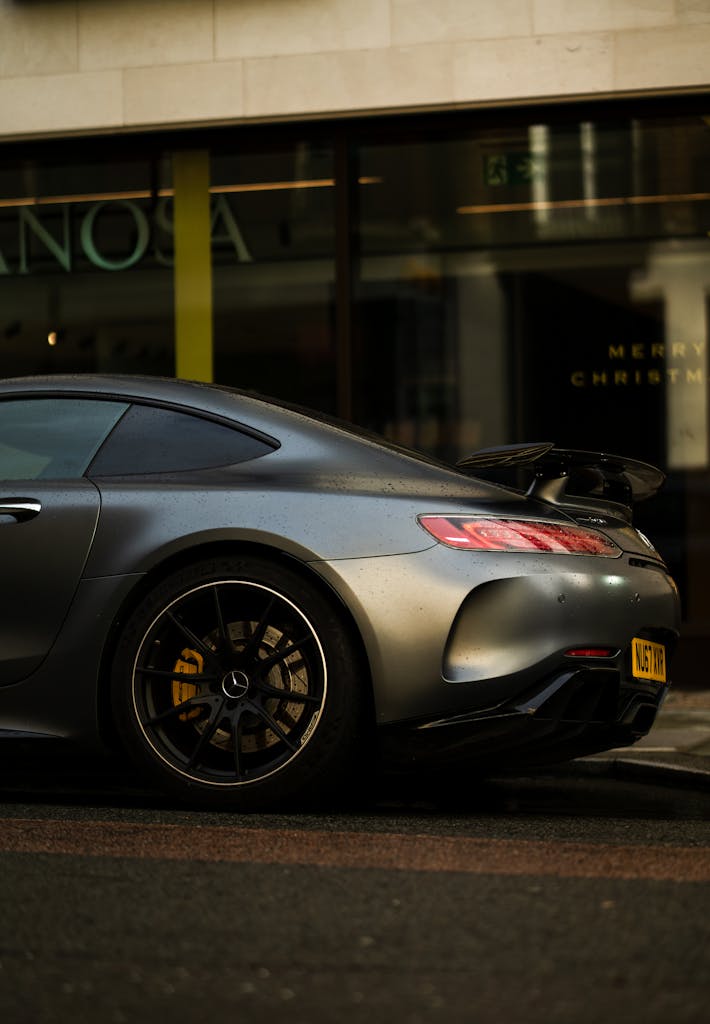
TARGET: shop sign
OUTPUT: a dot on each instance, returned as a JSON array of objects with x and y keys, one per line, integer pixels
[
  {"x": 139, "y": 234},
  {"x": 630, "y": 365}
]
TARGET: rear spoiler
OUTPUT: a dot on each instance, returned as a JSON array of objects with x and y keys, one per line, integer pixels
[{"x": 594, "y": 475}]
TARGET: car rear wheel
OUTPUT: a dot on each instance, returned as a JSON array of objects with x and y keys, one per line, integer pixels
[{"x": 237, "y": 685}]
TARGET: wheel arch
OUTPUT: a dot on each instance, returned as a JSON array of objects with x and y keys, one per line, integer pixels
[{"x": 185, "y": 558}]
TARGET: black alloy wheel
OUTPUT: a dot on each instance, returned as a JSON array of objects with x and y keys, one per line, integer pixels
[{"x": 236, "y": 685}]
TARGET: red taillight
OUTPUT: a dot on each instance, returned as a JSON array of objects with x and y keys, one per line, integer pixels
[
  {"x": 482, "y": 533},
  {"x": 590, "y": 652}
]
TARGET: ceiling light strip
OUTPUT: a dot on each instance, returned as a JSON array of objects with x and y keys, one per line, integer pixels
[
  {"x": 103, "y": 197},
  {"x": 574, "y": 204}
]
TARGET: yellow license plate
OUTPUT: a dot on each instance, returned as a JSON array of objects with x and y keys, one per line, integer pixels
[{"x": 648, "y": 660}]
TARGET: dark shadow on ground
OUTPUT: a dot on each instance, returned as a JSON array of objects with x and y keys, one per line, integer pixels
[{"x": 54, "y": 774}]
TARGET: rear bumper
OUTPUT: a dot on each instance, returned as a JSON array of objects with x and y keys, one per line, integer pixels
[
  {"x": 447, "y": 633},
  {"x": 569, "y": 714}
]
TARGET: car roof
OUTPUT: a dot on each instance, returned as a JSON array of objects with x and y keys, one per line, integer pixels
[
  {"x": 190, "y": 394},
  {"x": 269, "y": 416},
  {"x": 254, "y": 411},
  {"x": 316, "y": 439}
]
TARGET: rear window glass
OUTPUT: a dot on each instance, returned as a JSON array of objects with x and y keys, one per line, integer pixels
[
  {"x": 155, "y": 440},
  {"x": 52, "y": 438}
]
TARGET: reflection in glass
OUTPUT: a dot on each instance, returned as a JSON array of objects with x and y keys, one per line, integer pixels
[
  {"x": 547, "y": 281},
  {"x": 84, "y": 286},
  {"x": 274, "y": 272},
  {"x": 519, "y": 271}
]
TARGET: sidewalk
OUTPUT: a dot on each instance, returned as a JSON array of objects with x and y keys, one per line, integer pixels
[{"x": 675, "y": 752}]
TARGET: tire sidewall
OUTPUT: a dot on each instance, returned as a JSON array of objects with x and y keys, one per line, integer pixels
[{"x": 326, "y": 759}]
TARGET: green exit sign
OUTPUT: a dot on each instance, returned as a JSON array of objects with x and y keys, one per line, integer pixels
[{"x": 510, "y": 168}]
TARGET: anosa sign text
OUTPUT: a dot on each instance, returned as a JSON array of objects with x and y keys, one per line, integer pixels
[{"x": 111, "y": 235}]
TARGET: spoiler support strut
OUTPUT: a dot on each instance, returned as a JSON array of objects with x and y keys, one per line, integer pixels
[{"x": 609, "y": 478}]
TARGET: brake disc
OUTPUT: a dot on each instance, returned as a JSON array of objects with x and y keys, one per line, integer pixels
[{"x": 289, "y": 674}]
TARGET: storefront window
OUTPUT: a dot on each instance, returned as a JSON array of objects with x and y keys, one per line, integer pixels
[
  {"x": 466, "y": 282},
  {"x": 85, "y": 266},
  {"x": 547, "y": 281},
  {"x": 547, "y": 257},
  {"x": 273, "y": 246}
]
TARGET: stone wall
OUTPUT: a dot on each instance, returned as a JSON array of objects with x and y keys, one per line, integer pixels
[{"x": 96, "y": 65}]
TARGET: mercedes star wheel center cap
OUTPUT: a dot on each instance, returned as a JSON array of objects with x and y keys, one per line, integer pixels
[{"x": 235, "y": 685}]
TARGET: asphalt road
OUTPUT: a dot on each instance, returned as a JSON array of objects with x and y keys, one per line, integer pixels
[{"x": 547, "y": 899}]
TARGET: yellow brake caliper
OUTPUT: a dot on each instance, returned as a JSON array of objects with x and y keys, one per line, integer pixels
[{"x": 189, "y": 664}]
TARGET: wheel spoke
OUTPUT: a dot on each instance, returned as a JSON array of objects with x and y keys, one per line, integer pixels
[
  {"x": 262, "y": 664},
  {"x": 236, "y": 718},
  {"x": 252, "y": 645},
  {"x": 190, "y": 677},
  {"x": 207, "y": 733},
  {"x": 223, "y": 631},
  {"x": 264, "y": 715},
  {"x": 289, "y": 695},
  {"x": 180, "y": 709},
  {"x": 194, "y": 639}
]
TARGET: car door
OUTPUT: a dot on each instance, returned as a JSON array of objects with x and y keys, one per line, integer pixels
[{"x": 48, "y": 518}]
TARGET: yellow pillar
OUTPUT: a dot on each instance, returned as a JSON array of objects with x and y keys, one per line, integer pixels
[{"x": 193, "y": 265}]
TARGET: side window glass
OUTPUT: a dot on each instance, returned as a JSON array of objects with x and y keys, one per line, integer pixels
[
  {"x": 52, "y": 438},
  {"x": 155, "y": 440}
]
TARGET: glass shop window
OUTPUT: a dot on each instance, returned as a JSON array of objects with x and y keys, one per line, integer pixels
[
  {"x": 273, "y": 252},
  {"x": 86, "y": 279},
  {"x": 547, "y": 281}
]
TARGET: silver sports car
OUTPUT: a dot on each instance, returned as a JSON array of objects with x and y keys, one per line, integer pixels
[{"x": 257, "y": 604}]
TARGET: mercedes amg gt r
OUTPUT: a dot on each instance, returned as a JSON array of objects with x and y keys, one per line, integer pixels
[{"x": 256, "y": 603}]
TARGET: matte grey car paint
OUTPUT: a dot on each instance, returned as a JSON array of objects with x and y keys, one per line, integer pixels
[{"x": 445, "y": 632}]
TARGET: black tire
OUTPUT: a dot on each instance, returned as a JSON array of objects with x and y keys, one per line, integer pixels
[{"x": 236, "y": 685}]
